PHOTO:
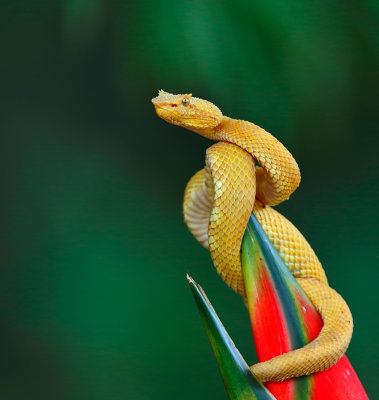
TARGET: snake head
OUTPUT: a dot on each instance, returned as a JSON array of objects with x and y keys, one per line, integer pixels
[{"x": 186, "y": 111}]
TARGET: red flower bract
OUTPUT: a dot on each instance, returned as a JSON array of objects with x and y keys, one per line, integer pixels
[{"x": 283, "y": 319}]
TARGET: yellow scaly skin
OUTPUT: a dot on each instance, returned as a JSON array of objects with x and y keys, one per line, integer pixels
[{"x": 217, "y": 205}]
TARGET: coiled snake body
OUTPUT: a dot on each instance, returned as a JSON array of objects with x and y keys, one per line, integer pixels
[{"x": 217, "y": 205}]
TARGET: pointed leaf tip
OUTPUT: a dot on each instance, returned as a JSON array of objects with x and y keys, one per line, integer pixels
[
  {"x": 190, "y": 279},
  {"x": 240, "y": 384}
]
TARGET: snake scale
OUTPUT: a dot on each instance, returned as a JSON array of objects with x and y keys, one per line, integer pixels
[{"x": 217, "y": 205}]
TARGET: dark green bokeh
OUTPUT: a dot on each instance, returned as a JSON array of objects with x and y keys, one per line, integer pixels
[{"x": 93, "y": 181}]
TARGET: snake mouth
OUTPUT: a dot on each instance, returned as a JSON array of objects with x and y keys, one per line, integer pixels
[
  {"x": 159, "y": 105},
  {"x": 164, "y": 100},
  {"x": 155, "y": 101},
  {"x": 164, "y": 112}
]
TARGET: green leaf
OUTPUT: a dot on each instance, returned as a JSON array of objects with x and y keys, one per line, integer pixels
[{"x": 240, "y": 384}]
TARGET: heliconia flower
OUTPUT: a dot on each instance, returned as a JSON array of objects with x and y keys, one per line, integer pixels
[{"x": 283, "y": 319}]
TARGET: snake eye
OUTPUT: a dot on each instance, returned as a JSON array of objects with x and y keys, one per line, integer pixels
[{"x": 185, "y": 101}]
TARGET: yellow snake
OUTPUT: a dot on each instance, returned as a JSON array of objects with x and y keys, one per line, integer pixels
[{"x": 217, "y": 205}]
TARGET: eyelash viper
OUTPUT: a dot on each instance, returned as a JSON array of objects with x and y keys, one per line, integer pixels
[{"x": 218, "y": 202}]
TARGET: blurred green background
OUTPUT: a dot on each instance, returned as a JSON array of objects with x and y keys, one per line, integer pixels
[{"x": 94, "y": 300}]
